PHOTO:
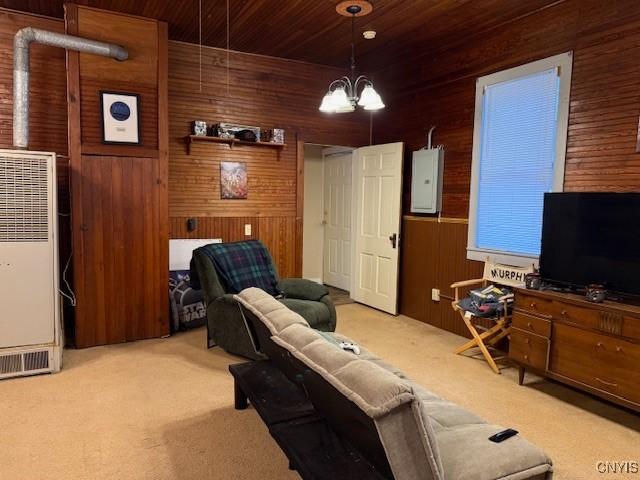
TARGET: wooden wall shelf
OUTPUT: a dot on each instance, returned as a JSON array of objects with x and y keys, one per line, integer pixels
[{"x": 190, "y": 139}]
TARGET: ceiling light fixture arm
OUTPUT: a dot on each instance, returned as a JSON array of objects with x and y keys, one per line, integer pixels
[{"x": 361, "y": 79}]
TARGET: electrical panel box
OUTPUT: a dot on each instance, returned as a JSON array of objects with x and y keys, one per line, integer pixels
[{"x": 426, "y": 180}]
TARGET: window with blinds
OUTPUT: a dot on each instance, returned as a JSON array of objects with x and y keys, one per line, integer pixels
[{"x": 519, "y": 144}]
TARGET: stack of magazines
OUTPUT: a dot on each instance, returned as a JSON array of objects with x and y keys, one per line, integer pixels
[{"x": 488, "y": 301}]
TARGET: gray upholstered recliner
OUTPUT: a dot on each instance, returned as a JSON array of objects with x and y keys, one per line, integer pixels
[
  {"x": 405, "y": 430},
  {"x": 225, "y": 325}
]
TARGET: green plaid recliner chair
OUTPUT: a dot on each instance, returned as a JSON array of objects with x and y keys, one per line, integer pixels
[{"x": 223, "y": 269}]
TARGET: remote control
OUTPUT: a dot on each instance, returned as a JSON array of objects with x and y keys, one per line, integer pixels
[
  {"x": 351, "y": 347},
  {"x": 503, "y": 435}
]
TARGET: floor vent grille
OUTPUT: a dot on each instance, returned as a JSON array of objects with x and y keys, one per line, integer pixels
[
  {"x": 10, "y": 364},
  {"x": 36, "y": 360},
  {"x": 24, "y": 363}
]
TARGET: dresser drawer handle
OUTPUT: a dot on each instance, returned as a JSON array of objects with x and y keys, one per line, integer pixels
[
  {"x": 619, "y": 349},
  {"x": 526, "y": 357},
  {"x": 564, "y": 313},
  {"x": 599, "y": 344},
  {"x": 529, "y": 325},
  {"x": 532, "y": 305},
  {"x": 608, "y": 384},
  {"x": 527, "y": 341}
]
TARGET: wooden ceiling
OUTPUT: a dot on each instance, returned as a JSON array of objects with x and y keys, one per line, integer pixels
[{"x": 311, "y": 30}]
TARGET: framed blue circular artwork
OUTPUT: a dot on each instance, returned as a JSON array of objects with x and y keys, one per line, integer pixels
[
  {"x": 120, "y": 118},
  {"x": 120, "y": 111}
]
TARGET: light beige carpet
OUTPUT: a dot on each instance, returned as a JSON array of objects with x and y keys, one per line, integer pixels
[{"x": 163, "y": 409}]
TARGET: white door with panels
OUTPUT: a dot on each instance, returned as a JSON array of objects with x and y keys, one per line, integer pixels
[
  {"x": 378, "y": 203},
  {"x": 337, "y": 220}
]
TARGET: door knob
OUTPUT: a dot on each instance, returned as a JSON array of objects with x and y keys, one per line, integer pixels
[{"x": 393, "y": 238}]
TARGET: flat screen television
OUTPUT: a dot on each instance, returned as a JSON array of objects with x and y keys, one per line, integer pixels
[{"x": 592, "y": 238}]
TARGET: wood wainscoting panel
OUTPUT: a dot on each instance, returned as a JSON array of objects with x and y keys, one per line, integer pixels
[
  {"x": 434, "y": 256},
  {"x": 453, "y": 267},
  {"x": 419, "y": 272},
  {"x": 277, "y": 233}
]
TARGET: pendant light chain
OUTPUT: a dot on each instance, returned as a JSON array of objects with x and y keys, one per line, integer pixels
[
  {"x": 353, "y": 48},
  {"x": 228, "y": 44}
]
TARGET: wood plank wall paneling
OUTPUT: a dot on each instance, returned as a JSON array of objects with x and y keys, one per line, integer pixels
[
  {"x": 266, "y": 92},
  {"x": 605, "y": 102},
  {"x": 269, "y": 92},
  {"x": 439, "y": 89},
  {"x": 120, "y": 209},
  {"x": 434, "y": 90}
]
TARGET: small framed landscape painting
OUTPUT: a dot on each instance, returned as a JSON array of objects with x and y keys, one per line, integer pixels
[
  {"x": 233, "y": 180},
  {"x": 120, "y": 118}
]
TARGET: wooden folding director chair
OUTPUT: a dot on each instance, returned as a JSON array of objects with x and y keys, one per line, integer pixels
[{"x": 499, "y": 275}]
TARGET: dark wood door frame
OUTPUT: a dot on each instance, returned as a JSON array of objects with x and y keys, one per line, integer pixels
[{"x": 299, "y": 203}]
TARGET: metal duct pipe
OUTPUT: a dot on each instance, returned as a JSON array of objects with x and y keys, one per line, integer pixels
[{"x": 21, "y": 43}]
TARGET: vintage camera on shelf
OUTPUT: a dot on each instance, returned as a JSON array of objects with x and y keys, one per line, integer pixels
[
  {"x": 232, "y": 130},
  {"x": 272, "y": 135},
  {"x": 199, "y": 128}
]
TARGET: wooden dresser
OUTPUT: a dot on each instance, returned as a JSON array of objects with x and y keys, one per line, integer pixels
[{"x": 594, "y": 347}]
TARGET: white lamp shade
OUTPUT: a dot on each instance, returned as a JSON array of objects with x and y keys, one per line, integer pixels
[
  {"x": 327, "y": 104},
  {"x": 370, "y": 99},
  {"x": 375, "y": 106},
  {"x": 369, "y": 96},
  {"x": 339, "y": 99}
]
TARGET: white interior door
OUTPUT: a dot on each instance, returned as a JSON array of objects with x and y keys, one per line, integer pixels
[
  {"x": 377, "y": 198},
  {"x": 337, "y": 220}
]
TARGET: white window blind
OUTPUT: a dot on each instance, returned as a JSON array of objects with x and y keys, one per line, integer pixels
[{"x": 515, "y": 161}]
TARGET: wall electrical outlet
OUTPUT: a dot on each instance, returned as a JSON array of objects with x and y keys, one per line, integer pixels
[
  {"x": 247, "y": 229},
  {"x": 435, "y": 294}
]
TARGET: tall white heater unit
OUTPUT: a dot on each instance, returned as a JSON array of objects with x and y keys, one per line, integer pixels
[{"x": 30, "y": 319}]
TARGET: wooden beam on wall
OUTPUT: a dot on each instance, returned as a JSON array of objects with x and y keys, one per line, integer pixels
[
  {"x": 119, "y": 192},
  {"x": 299, "y": 204}
]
